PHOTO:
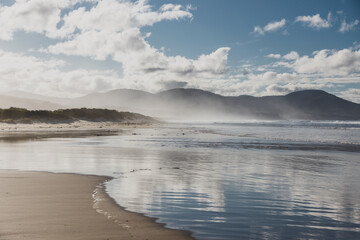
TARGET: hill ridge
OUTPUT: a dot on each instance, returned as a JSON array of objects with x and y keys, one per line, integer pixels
[{"x": 198, "y": 104}]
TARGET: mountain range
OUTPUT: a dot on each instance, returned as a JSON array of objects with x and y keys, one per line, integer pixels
[{"x": 195, "y": 104}]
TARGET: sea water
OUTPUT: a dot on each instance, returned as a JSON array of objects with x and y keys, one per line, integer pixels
[{"x": 245, "y": 180}]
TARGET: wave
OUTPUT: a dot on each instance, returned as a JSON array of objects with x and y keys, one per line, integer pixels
[
  {"x": 295, "y": 123},
  {"x": 286, "y": 135}
]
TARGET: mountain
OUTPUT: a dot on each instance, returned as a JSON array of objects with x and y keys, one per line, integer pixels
[
  {"x": 27, "y": 95},
  {"x": 307, "y": 104},
  {"x": 317, "y": 104},
  {"x": 115, "y": 98},
  {"x": 120, "y": 99},
  {"x": 196, "y": 104},
  {"x": 31, "y": 104}
]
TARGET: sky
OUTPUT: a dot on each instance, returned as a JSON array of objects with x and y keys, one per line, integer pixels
[{"x": 69, "y": 48}]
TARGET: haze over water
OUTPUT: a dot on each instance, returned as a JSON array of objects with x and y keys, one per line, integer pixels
[{"x": 250, "y": 180}]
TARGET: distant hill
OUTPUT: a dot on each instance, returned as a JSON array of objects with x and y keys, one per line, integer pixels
[
  {"x": 121, "y": 99},
  {"x": 317, "y": 104},
  {"x": 31, "y": 104},
  {"x": 196, "y": 104},
  {"x": 20, "y": 115},
  {"x": 26, "y": 95},
  {"x": 307, "y": 104}
]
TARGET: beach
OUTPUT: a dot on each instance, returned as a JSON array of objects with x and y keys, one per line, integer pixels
[
  {"x": 38, "y": 205},
  {"x": 23, "y": 131},
  {"x": 231, "y": 181},
  {"x": 77, "y": 125}
]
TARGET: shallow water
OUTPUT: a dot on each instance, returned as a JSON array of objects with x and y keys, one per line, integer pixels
[{"x": 250, "y": 180}]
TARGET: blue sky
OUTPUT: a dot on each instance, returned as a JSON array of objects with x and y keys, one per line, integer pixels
[
  {"x": 216, "y": 24},
  {"x": 257, "y": 47}
]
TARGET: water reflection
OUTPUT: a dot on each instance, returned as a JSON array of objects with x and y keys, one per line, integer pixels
[
  {"x": 265, "y": 193},
  {"x": 218, "y": 193}
]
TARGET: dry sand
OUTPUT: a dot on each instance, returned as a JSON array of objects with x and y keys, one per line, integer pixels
[{"x": 35, "y": 205}]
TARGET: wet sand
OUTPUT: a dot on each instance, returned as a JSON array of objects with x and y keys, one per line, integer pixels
[
  {"x": 20, "y": 131},
  {"x": 78, "y": 125},
  {"x": 36, "y": 205}
]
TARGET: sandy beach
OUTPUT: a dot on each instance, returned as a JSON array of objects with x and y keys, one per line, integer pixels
[
  {"x": 37, "y": 205},
  {"x": 23, "y": 131},
  {"x": 77, "y": 125}
]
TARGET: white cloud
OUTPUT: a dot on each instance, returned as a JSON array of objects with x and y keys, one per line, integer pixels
[
  {"x": 351, "y": 94},
  {"x": 112, "y": 29},
  {"x": 258, "y": 30},
  {"x": 196, "y": 72},
  {"x": 329, "y": 62},
  {"x": 38, "y": 16},
  {"x": 214, "y": 63},
  {"x": 324, "y": 69},
  {"x": 42, "y": 16},
  {"x": 101, "y": 44},
  {"x": 139, "y": 59},
  {"x": 274, "y": 26},
  {"x": 270, "y": 77},
  {"x": 291, "y": 56},
  {"x": 315, "y": 21},
  {"x": 28, "y": 73},
  {"x": 255, "y": 83},
  {"x": 346, "y": 27},
  {"x": 270, "y": 27},
  {"x": 275, "y": 89},
  {"x": 273, "y": 83},
  {"x": 48, "y": 77},
  {"x": 115, "y": 16},
  {"x": 272, "y": 55}
]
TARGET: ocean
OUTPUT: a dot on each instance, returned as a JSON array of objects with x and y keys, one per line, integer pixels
[{"x": 243, "y": 180}]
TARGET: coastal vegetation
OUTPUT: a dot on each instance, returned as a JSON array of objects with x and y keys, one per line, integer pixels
[{"x": 22, "y": 115}]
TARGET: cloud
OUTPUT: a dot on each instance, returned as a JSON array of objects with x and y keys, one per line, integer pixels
[
  {"x": 346, "y": 27},
  {"x": 276, "y": 56},
  {"x": 270, "y": 27},
  {"x": 315, "y": 21},
  {"x": 274, "y": 26},
  {"x": 274, "y": 83},
  {"x": 28, "y": 73},
  {"x": 43, "y": 16},
  {"x": 214, "y": 63},
  {"x": 49, "y": 77},
  {"x": 275, "y": 89},
  {"x": 38, "y": 16},
  {"x": 112, "y": 29},
  {"x": 324, "y": 69},
  {"x": 117, "y": 16},
  {"x": 173, "y": 84},
  {"x": 329, "y": 62},
  {"x": 351, "y": 94},
  {"x": 291, "y": 56},
  {"x": 258, "y": 31}
]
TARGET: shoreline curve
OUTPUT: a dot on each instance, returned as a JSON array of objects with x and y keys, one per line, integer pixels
[{"x": 44, "y": 205}]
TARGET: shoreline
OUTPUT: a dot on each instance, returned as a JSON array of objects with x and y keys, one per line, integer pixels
[
  {"x": 77, "y": 125},
  {"x": 23, "y": 131},
  {"x": 44, "y": 205}
]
